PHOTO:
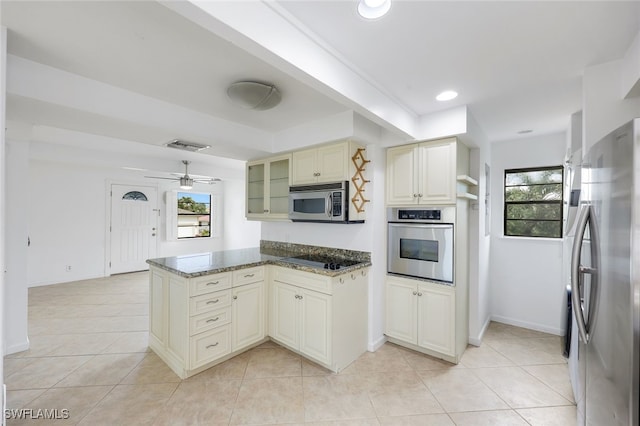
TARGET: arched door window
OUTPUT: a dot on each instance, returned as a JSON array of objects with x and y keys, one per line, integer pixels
[{"x": 134, "y": 196}]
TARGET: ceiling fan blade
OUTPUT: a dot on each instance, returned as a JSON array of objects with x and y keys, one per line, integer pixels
[{"x": 159, "y": 177}]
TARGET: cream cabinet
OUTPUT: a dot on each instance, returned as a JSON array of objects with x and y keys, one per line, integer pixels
[
  {"x": 422, "y": 315},
  {"x": 301, "y": 320},
  {"x": 320, "y": 317},
  {"x": 248, "y": 315},
  {"x": 195, "y": 323},
  {"x": 425, "y": 173},
  {"x": 324, "y": 164},
  {"x": 267, "y": 188}
]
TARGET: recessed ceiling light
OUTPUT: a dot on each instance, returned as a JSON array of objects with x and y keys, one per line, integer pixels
[
  {"x": 524, "y": 132},
  {"x": 447, "y": 95},
  {"x": 373, "y": 9}
]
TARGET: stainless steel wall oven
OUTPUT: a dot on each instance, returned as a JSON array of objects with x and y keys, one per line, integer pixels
[{"x": 420, "y": 242}]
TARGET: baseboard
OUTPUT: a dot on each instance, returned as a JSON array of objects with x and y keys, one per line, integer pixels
[
  {"x": 528, "y": 325},
  {"x": 71, "y": 279},
  {"x": 477, "y": 341},
  {"x": 374, "y": 346},
  {"x": 17, "y": 347}
]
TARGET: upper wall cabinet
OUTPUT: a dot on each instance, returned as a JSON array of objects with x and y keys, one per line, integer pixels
[
  {"x": 324, "y": 164},
  {"x": 425, "y": 173},
  {"x": 268, "y": 183}
]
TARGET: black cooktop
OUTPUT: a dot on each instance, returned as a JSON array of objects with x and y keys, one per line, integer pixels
[{"x": 321, "y": 262}]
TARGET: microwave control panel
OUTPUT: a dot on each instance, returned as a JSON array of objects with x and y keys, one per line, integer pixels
[
  {"x": 419, "y": 215},
  {"x": 337, "y": 204}
]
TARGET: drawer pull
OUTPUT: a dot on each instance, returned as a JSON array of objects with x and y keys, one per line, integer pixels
[
  {"x": 212, "y": 346},
  {"x": 249, "y": 275},
  {"x": 211, "y": 302},
  {"x": 213, "y": 283},
  {"x": 213, "y": 319}
]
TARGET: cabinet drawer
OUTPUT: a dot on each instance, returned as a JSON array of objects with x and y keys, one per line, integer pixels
[
  {"x": 248, "y": 275},
  {"x": 210, "y": 345},
  {"x": 209, "y": 320},
  {"x": 209, "y": 302},
  {"x": 302, "y": 279},
  {"x": 210, "y": 283}
]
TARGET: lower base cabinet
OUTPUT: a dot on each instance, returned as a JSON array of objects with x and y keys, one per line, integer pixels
[
  {"x": 422, "y": 315},
  {"x": 319, "y": 317},
  {"x": 196, "y": 323}
]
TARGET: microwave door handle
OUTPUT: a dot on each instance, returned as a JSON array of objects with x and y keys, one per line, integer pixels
[{"x": 329, "y": 204}]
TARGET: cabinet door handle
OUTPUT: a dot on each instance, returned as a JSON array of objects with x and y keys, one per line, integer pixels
[
  {"x": 420, "y": 195},
  {"x": 213, "y": 319},
  {"x": 249, "y": 275},
  {"x": 213, "y": 283},
  {"x": 212, "y": 346},
  {"x": 235, "y": 297},
  {"x": 419, "y": 294},
  {"x": 415, "y": 195},
  {"x": 211, "y": 302},
  {"x": 415, "y": 293}
]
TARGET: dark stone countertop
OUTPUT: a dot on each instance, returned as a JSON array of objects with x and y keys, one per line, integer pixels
[{"x": 199, "y": 264}]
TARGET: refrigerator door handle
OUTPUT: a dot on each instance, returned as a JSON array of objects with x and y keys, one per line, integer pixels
[{"x": 578, "y": 270}]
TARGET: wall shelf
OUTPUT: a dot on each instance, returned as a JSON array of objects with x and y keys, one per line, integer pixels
[
  {"x": 467, "y": 196},
  {"x": 467, "y": 179}
]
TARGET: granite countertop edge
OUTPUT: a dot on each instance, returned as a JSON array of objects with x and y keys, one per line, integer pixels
[{"x": 272, "y": 260}]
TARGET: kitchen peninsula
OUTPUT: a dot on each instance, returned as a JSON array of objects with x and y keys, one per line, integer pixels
[{"x": 206, "y": 308}]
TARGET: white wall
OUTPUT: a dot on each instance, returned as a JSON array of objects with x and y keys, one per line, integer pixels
[
  {"x": 69, "y": 212},
  {"x": 17, "y": 231},
  {"x": 369, "y": 236},
  {"x": 239, "y": 232},
  {"x": 479, "y": 241},
  {"x": 3, "y": 67},
  {"x": 604, "y": 106},
  {"x": 526, "y": 285}
]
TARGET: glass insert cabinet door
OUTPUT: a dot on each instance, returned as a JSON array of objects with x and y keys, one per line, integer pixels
[
  {"x": 268, "y": 187},
  {"x": 279, "y": 186},
  {"x": 256, "y": 189}
]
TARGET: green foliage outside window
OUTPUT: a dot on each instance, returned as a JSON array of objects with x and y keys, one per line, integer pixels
[{"x": 533, "y": 202}]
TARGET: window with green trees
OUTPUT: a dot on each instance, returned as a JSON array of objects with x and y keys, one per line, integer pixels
[
  {"x": 194, "y": 215},
  {"x": 533, "y": 202}
]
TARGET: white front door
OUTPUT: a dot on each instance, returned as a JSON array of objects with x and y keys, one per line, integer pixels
[{"x": 134, "y": 227}]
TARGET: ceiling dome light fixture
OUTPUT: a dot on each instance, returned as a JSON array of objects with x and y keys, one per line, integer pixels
[
  {"x": 447, "y": 95},
  {"x": 254, "y": 95},
  {"x": 373, "y": 9}
]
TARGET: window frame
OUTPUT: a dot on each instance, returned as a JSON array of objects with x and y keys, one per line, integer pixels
[
  {"x": 178, "y": 214},
  {"x": 560, "y": 202}
]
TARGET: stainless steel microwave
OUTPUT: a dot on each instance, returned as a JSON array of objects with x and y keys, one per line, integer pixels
[{"x": 325, "y": 202}]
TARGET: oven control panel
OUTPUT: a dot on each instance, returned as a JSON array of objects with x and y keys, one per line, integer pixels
[{"x": 418, "y": 214}]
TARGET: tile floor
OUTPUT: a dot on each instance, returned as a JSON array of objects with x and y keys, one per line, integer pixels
[{"x": 89, "y": 356}]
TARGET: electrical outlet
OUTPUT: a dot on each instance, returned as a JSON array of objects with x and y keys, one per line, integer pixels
[{"x": 68, "y": 268}]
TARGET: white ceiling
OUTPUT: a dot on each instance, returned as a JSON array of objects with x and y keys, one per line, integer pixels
[{"x": 516, "y": 64}]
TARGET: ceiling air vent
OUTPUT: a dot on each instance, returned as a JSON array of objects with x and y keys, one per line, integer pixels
[{"x": 187, "y": 146}]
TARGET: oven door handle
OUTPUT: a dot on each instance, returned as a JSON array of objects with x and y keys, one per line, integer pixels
[{"x": 420, "y": 225}]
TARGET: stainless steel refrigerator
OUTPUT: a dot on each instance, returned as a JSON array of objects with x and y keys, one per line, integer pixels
[{"x": 605, "y": 280}]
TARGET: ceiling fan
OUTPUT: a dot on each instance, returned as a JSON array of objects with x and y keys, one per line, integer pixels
[{"x": 186, "y": 181}]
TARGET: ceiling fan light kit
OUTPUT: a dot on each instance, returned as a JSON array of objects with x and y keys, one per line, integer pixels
[
  {"x": 186, "y": 181},
  {"x": 254, "y": 95}
]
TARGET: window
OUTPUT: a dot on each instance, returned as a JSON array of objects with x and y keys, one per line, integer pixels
[
  {"x": 134, "y": 196},
  {"x": 533, "y": 202},
  {"x": 194, "y": 215}
]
